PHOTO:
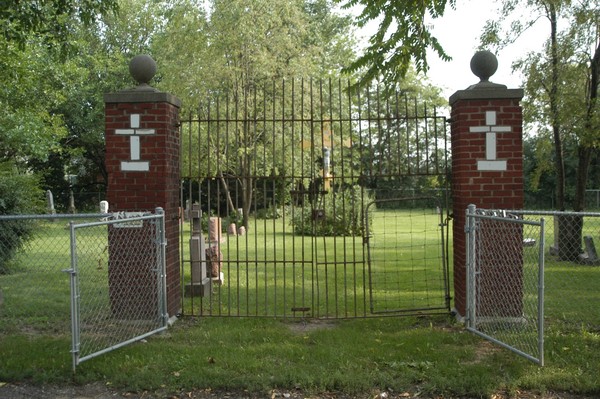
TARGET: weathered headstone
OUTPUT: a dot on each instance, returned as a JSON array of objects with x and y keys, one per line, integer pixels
[
  {"x": 590, "y": 257},
  {"x": 50, "y": 203},
  {"x": 214, "y": 230},
  {"x": 200, "y": 285},
  {"x": 232, "y": 229},
  {"x": 72, "y": 208}
]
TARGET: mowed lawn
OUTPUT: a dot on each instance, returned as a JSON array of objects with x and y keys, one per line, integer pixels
[{"x": 428, "y": 355}]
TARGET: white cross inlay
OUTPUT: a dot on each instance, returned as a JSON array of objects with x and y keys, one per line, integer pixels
[
  {"x": 134, "y": 133},
  {"x": 490, "y": 129}
]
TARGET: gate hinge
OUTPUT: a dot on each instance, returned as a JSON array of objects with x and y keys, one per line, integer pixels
[{"x": 470, "y": 229}]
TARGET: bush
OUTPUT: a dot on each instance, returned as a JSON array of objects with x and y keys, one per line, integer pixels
[
  {"x": 341, "y": 214},
  {"x": 19, "y": 194}
]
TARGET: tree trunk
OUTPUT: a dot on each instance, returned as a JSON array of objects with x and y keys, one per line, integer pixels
[
  {"x": 227, "y": 193},
  {"x": 554, "y": 112},
  {"x": 570, "y": 228}
]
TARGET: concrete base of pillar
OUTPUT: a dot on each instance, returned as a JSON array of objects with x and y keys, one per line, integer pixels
[{"x": 198, "y": 289}]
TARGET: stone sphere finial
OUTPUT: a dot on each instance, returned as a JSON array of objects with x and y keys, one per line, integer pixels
[
  {"x": 484, "y": 64},
  {"x": 142, "y": 68}
]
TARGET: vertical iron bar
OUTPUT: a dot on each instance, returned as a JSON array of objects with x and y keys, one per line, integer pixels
[
  {"x": 275, "y": 207},
  {"x": 315, "y": 261},
  {"x": 417, "y": 142},
  {"x": 333, "y": 198},
  {"x": 408, "y": 149},
  {"x": 290, "y": 185}
]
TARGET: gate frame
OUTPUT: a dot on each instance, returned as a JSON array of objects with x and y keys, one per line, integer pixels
[
  {"x": 161, "y": 242},
  {"x": 471, "y": 283},
  {"x": 443, "y": 225}
]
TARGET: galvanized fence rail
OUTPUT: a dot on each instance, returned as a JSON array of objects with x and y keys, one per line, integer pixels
[
  {"x": 118, "y": 283},
  {"x": 505, "y": 281}
]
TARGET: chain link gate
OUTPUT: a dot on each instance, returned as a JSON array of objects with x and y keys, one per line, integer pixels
[
  {"x": 118, "y": 287},
  {"x": 505, "y": 280}
]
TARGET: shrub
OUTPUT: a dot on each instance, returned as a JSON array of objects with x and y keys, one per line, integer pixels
[
  {"x": 340, "y": 214},
  {"x": 19, "y": 194}
]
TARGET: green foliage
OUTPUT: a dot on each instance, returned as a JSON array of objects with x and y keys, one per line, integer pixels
[
  {"x": 19, "y": 194},
  {"x": 337, "y": 213},
  {"x": 561, "y": 87},
  {"x": 53, "y": 21},
  {"x": 401, "y": 40}
]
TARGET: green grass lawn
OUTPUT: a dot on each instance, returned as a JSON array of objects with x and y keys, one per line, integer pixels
[{"x": 430, "y": 355}]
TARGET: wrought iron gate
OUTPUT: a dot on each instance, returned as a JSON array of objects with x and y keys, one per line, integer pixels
[
  {"x": 505, "y": 280},
  {"x": 407, "y": 254},
  {"x": 118, "y": 290},
  {"x": 283, "y": 177}
]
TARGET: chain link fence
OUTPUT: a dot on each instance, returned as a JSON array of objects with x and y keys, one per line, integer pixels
[
  {"x": 505, "y": 290},
  {"x": 114, "y": 268},
  {"x": 34, "y": 288},
  {"x": 505, "y": 261},
  {"x": 572, "y": 269}
]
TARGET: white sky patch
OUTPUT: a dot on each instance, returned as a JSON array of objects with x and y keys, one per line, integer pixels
[{"x": 459, "y": 31}]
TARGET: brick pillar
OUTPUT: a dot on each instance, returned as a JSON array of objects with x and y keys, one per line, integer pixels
[
  {"x": 487, "y": 160},
  {"x": 142, "y": 161}
]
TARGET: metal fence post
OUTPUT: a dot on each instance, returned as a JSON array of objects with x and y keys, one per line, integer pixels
[
  {"x": 75, "y": 339},
  {"x": 162, "y": 266},
  {"x": 541, "y": 292},
  {"x": 470, "y": 263}
]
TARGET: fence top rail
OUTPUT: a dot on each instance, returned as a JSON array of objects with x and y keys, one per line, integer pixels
[
  {"x": 57, "y": 216},
  {"x": 73, "y": 216},
  {"x": 127, "y": 220},
  {"x": 551, "y": 213},
  {"x": 506, "y": 218}
]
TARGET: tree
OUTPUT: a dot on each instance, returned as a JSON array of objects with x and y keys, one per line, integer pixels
[
  {"x": 37, "y": 37},
  {"x": 401, "y": 40},
  {"x": 53, "y": 21},
  {"x": 242, "y": 53},
  {"x": 561, "y": 96}
]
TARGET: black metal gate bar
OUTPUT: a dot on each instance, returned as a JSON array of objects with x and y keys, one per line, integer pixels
[{"x": 300, "y": 159}]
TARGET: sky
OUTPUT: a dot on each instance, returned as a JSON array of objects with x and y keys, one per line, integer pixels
[{"x": 458, "y": 32}]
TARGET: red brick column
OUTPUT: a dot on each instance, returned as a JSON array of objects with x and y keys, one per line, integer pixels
[
  {"x": 142, "y": 161},
  {"x": 487, "y": 162}
]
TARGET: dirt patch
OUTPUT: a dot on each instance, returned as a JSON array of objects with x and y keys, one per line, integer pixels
[
  {"x": 484, "y": 350},
  {"x": 100, "y": 391},
  {"x": 306, "y": 326}
]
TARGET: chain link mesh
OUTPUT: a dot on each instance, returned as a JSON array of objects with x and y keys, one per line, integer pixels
[
  {"x": 34, "y": 289},
  {"x": 505, "y": 286},
  {"x": 572, "y": 269},
  {"x": 119, "y": 270}
]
